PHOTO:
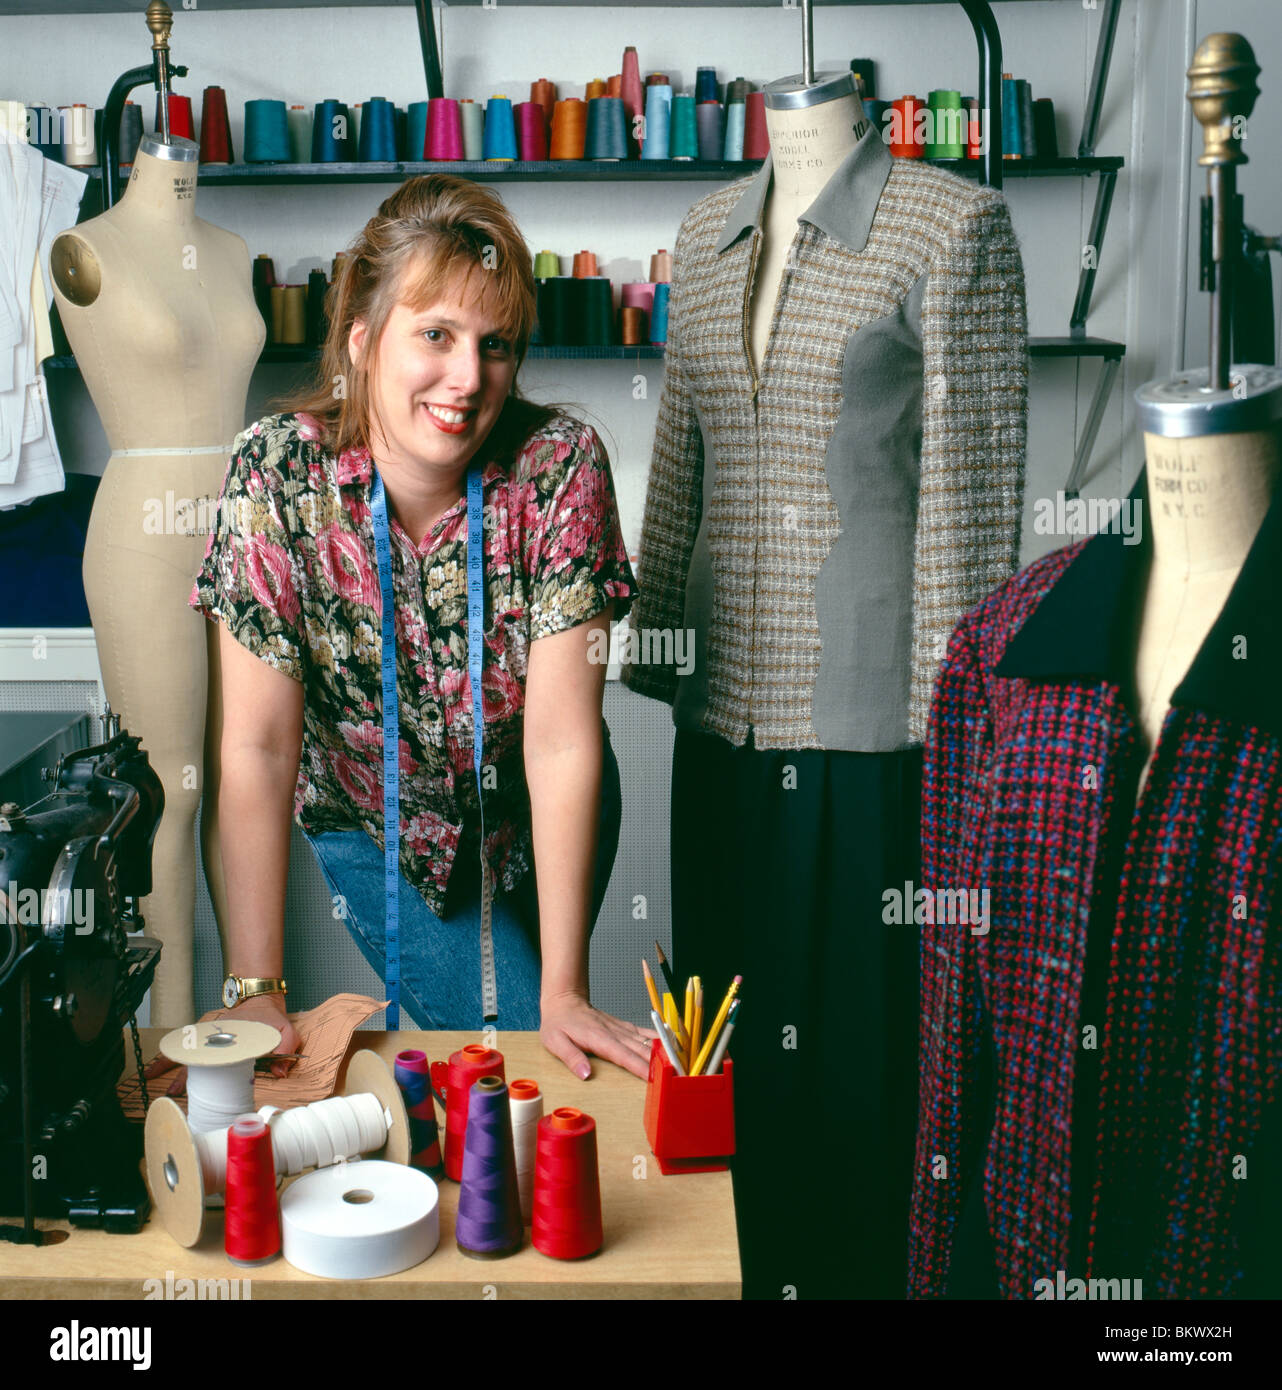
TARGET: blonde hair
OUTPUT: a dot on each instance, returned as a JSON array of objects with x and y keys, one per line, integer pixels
[{"x": 435, "y": 229}]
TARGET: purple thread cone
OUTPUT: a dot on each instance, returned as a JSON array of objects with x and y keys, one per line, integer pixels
[
  {"x": 531, "y": 130},
  {"x": 411, "y": 1073},
  {"x": 489, "y": 1204}
]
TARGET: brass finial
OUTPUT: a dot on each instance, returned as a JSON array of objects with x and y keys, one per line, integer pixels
[
  {"x": 1221, "y": 89},
  {"x": 160, "y": 20}
]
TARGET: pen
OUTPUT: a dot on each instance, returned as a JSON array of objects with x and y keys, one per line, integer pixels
[
  {"x": 719, "y": 1054},
  {"x": 665, "y": 1039},
  {"x": 716, "y": 1025}
]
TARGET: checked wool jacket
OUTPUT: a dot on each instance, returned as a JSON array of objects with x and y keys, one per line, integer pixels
[
  {"x": 822, "y": 523},
  {"x": 1032, "y": 761}
]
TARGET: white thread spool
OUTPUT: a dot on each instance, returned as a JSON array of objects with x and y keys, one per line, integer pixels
[
  {"x": 219, "y": 1058},
  {"x": 185, "y": 1169},
  {"x": 526, "y": 1103},
  {"x": 311, "y": 1136},
  {"x": 79, "y": 149}
]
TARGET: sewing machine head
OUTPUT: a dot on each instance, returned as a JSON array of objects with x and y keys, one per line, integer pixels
[{"x": 72, "y": 867}]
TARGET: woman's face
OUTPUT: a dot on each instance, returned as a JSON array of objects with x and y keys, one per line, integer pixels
[{"x": 442, "y": 376}]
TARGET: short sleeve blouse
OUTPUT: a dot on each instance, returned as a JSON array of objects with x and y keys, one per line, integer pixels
[{"x": 290, "y": 568}]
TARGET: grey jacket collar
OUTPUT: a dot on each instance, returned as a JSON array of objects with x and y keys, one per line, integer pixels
[{"x": 846, "y": 204}]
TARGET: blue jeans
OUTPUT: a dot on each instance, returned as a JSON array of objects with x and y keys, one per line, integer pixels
[{"x": 441, "y": 957}]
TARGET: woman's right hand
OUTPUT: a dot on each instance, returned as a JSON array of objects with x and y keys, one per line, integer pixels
[{"x": 262, "y": 1008}]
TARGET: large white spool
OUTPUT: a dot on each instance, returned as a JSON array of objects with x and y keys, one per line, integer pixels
[{"x": 360, "y": 1220}]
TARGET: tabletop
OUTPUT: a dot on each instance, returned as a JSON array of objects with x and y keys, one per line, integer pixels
[{"x": 665, "y": 1237}]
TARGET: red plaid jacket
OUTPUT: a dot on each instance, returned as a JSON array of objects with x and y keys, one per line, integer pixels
[{"x": 1031, "y": 764}]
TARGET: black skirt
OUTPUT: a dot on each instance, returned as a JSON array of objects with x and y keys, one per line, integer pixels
[{"x": 781, "y": 865}]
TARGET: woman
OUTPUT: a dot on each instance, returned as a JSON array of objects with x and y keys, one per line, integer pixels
[{"x": 430, "y": 317}]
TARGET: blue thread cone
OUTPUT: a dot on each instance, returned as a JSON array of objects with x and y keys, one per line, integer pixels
[
  {"x": 332, "y": 137},
  {"x": 266, "y": 132},
  {"x": 607, "y": 129},
  {"x": 378, "y": 132},
  {"x": 736, "y": 120},
  {"x": 685, "y": 140},
  {"x": 705, "y": 84},
  {"x": 1012, "y": 142},
  {"x": 499, "y": 137},
  {"x": 659, "y": 314},
  {"x": 489, "y": 1205},
  {"x": 416, "y": 124},
  {"x": 658, "y": 122}
]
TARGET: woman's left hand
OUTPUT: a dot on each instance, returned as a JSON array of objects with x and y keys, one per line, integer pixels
[{"x": 572, "y": 1028}]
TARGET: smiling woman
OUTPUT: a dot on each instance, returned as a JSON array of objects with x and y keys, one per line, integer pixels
[{"x": 415, "y": 415}]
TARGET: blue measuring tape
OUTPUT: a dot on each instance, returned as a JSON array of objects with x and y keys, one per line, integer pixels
[{"x": 392, "y": 741}]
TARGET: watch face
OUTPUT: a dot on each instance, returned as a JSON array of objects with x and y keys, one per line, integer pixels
[{"x": 231, "y": 994}]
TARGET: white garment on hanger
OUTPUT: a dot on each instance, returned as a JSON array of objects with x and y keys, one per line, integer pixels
[{"x": 44, "y": 197}]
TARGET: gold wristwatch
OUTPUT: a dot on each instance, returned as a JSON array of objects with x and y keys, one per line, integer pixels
[{"x": 238, "y": 988}]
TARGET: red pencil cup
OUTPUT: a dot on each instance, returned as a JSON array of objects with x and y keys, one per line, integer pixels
[{"x": 689, "y": 1120}]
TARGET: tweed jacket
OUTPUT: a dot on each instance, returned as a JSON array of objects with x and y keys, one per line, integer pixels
[
  {"x": 1032, "y": 761},
  {"x": 819, "y": 527}
]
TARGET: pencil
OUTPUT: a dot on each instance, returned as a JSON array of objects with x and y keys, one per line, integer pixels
[
  {"x": 672, "y": 1017},
  {"x": 705, "y": 1052},
  {"x": 649, "y": 984},
  {"x": 696, "y": 1031},
  {"x": 687, "y": 1018},
  {"x": 719, "y": 1055},
  {"x": 667, "y": 970}
]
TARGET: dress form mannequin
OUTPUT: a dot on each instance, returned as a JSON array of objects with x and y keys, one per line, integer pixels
[
  {"x": 807, "y": 145},
  {"x": 1208, "y": 497},
  {"x": 159, "y": 310}
]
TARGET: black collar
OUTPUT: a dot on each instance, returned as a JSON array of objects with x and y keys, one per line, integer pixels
[{"x": 1085, "y": 626}]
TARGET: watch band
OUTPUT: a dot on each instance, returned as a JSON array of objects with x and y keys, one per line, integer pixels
[{"x": 250, "y": 986}]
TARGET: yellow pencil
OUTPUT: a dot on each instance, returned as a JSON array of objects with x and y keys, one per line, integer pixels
[
  {"x": 696, "y": 1030},
  {"x": 672, "y": 1017},
  {"x": 649, "y": 984},
  {"x": 706, "y": 1051},
  {"x": 687, "y": 1019}
]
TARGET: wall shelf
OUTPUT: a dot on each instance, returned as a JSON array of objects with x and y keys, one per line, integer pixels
[{"x": 585, "y": 170}]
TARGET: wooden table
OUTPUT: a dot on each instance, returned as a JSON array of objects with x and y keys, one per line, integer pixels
[{"x": 665, "y": 1237}]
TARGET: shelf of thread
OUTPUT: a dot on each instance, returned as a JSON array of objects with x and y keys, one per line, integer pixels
[{"x": 585, "y": 170}]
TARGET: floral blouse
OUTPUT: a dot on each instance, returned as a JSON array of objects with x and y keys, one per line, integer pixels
[{"x": 291, "y": 569}]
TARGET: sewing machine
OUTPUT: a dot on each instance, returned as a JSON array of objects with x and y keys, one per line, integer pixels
[{"x": 72, "y": 866}]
